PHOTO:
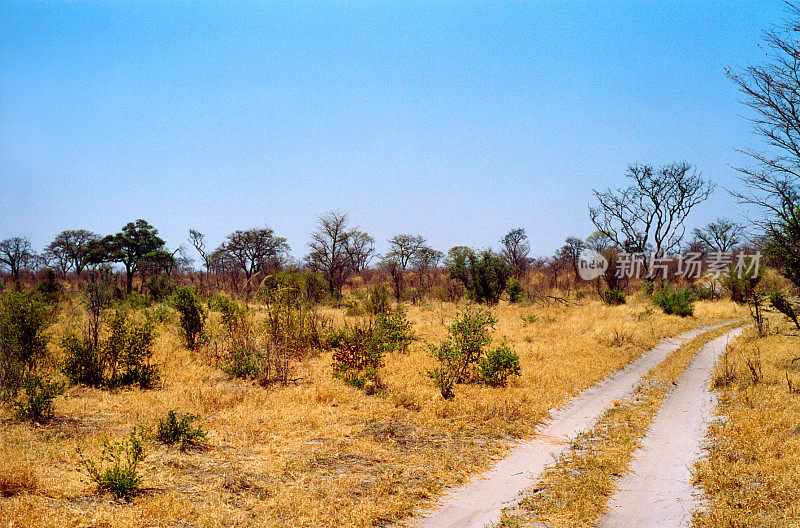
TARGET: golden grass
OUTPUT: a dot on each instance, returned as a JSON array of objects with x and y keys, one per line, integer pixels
[
  {"x": 574, "y": 491},
  {"x": 751, "y": 476},
  {"x": 320, "y": 453}
]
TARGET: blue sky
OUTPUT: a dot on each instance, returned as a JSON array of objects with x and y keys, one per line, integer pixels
[{"x": 457, "y": 121}]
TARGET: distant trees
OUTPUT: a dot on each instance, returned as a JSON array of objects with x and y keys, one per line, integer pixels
[
  {"x": 515, "y": 249},
  {"x": 72, "y": 250},
  {"x": 255, "y": 250},
  {"x": 16, "y": 254},
  {"x": 338, "y": 251},
  {"x": 649, "y": 215},
  {"x": 721, "y": 235},
  {"x": 570, "y": 253},
  {"x": 403, "y": 250},
  {"x": 484, "y": 274}
]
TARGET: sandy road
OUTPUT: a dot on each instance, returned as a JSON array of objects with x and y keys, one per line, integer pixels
[
  {"x": 658, "y": 491},
  {"x": 479, "y": 503}
]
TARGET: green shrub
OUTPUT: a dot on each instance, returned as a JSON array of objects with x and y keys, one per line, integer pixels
[
  {"x": 613, "y": 297},
  {"x": 378, "y": 300},
  {"x": 498, "y": 364},
  {"x": 446, "y": 374},
  {"x": 192, "y": 314},
  {"x": 469, "y": 335},
  {"x": 137, "y": 301},
  {"x": 484, "y": 275},
  {"x": 83, "y": 363},
  {"x": 233, "y": 313},
  {"x": 160, "y": 313},
  {"x": 460, "y": 354},
  {"x": 24, "y": 320},
  {"x": 116, "y": 471},
  {"x": 160, "y": 287},
  {"x": 675, "y": 302},
  {"x": 122, "y": 359},
  {"x": 127, "y": 352},
  {"x": 37, "y": 403},
  {"x": 48, "y": 287},
  {"x": 175, "y": 429},
  {"x": 394, "y": 331},
  {"x": 514, "y": 290}
]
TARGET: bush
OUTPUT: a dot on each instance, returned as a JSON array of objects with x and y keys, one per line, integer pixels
[
  {"x": 378, "y": 300},
  {"x": 117, "y": 470},
  {"x": 514, "y": 289},
  {"x": 24, "y": 319},
  {"x": 483, "y": 275},
  {"x": 160, "y": 287},
  {"x": 460, "y": 355},
  {"x": 173, "y": 429},
  {"x": 613, "y": 297},
  {"x": 127, "y": 352},
  {"x": 48, "y": 287},
  {"x": 83, "y": 363},
  {"x": 37, "y": 404},
  {"x": 192, "y": 314},
  {"x": 393, "y": 331},
  {"x": 357, "y": 356},
  {"x": 122, "y": 359},
  {"x": 498, "y": 365},
  {"x": 675, "y": 302},
  {"x": 137, "y": 301},
  {"x": 233, "y": 313}
]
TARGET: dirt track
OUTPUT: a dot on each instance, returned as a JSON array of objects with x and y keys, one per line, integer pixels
[
  {"x": 479, "y": 503},
  {"x": 658, "y": 491}
]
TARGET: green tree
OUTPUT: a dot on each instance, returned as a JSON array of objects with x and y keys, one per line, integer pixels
[
  {"x": 484, "y": 275},
  {"x": 130, "y": 247}
]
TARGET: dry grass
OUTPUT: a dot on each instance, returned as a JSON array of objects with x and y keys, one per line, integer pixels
[
  {"x": 574, "y": 491},
  {"x": 317, "y": 452},
  {"x": 751, "y": 476}
]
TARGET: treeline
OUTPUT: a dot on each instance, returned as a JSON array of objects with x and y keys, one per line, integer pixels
[{"x": 338, "y": 253}]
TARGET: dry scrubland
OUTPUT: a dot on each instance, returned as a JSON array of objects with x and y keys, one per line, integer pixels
[
  {"x": 752, "y": 474},
  {"x": 318, "y": 452}
]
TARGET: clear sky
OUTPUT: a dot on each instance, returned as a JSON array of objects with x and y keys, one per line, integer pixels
[{"x": 457, "y": 121}]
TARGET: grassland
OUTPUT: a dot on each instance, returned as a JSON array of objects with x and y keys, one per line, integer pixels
[
  {"x": 318, "y": 452},
  {"x": 751, "y": 477}
]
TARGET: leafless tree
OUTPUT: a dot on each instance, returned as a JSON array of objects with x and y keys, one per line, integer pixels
[
  {"x": 71, "y": 250},
  {"x": 16, "y": 254},
  {"x": 570, "y": 252},
  {"x": 360, "y": 249},
  {"x": 425, "y": 261},
  {"x": 649, "y": 215},
  {"x": 256, "y": 250},
  {"x": 721, "y": 235},
  {"x": 772, "y": 91},
  {"x": 404, "y": 247},
  {"x": 329, "y": 251},
  {"x": 515, "y": 249}
]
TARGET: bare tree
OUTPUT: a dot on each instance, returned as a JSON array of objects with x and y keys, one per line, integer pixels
[
  {"x": 404, "y": 247},
  {"x": 515, "y": 249},
  {"x": 649, "y": 215},
  {"x": 71, "y": 250},
  {"x": 360, "y": 249},
  {"x": 256, "y": 250},
  {"x": 721, "y": 235},
  {"x": 329, "y": 251},
  {"x": 425, "y": 261},
  {"x": 198, "y": 242},
  {"x": 16, "y": 254},
  {"x": 570, "y": 252},
  {"x": 772, "y": 91}
]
